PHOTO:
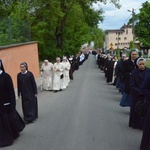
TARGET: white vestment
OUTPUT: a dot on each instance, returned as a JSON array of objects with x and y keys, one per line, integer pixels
[
  {"x": 47, "y": 76},
  {"x": 66, "y": 68},
  {"x": 57, "y": 82}
]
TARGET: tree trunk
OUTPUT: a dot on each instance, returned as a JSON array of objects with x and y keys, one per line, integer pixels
[{"x": 60, "y": 29}]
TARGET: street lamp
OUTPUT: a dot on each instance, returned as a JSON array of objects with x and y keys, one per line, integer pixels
[
  {"x": 118, "y": 40},
  {"x": 133, "y": 13}
]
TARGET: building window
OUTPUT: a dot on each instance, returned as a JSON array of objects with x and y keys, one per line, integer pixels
[
  {"x": 126, "y": 31},
  {"x": 125, "y": 38},
  {"x": 118, "y": 38}
]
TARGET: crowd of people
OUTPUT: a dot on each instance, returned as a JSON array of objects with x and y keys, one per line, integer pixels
[
  {"x": 128, "y": 74},
  {"x": 11, "y": 123},
  {"x": 131, "y": 77},
  {"x": 56, "y": 77}
]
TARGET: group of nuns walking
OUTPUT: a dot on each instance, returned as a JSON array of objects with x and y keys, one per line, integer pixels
[
  {"x": 55, "y": 77},
  {"x": 131, "y": 76},
  {"x": 11, "y": 123}
]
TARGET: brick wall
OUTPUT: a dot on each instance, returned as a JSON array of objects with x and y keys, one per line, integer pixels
[{"x": 13, "y": 55}]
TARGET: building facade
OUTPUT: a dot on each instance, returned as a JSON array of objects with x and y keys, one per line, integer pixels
[{"x": 119, "y": 38}]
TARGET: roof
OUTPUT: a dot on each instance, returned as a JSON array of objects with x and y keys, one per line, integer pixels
[
  {"x": 126, "y": 26},
  {"x": 119, "y": 30},
  {"x": 115, "y": 30}
]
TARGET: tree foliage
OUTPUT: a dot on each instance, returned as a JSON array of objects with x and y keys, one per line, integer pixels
[
  {"x": 142, "y": 27},
  {"x": 97, "y": 37},
  {"x": 59, "y": 26}
]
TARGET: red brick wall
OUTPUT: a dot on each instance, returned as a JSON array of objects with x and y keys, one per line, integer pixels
[{"x": 13, "y": 55}]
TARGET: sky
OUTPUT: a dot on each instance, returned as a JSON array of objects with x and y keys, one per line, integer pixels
[{"x": 115, "y": 18}]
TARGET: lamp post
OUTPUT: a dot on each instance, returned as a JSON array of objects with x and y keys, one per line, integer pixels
[
  {"x": 133, "y": 15},
  {"x": 118, "y": 44},
  {"x": 118, "y": 40}
]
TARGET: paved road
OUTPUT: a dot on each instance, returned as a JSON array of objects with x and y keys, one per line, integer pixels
[{"x": 86, "y": 116}]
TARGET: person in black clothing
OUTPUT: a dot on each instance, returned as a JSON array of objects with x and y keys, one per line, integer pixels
[
  {"x": 128, "y": 66},
  {"x": 70, "y": 59},
  {"x": 118, "y": 73},
  {"x": 11, "y": 124},
  {"x": 27, "y": 89},
  {"x": 145, "y": 87},
  {"x": 136, "y": 78},
  {"x": 99, "y": 55},
  {"x": 76, "y": 60},
  {"x": 109, "y": 66}
]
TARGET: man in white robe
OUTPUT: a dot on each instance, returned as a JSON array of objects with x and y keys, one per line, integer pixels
[
  {"x": 66, "y": 68},
  {"x": 47, "y": 75},
  {"x": 58, "y": 71}
]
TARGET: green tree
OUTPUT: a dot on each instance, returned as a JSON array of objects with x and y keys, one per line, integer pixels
[
  {"x": 59, "y": 26},
  {"x": 142, "y": 27},
  {"x": 131, "y": 46},
  {"x": 98, "y": 37}
]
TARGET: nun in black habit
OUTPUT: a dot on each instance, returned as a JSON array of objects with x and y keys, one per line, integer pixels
[
  {"x": 136, "y": 78},
  {"x": 127, "y": 67},
  {"x": 11, "y": 124},
  {"x": 145, "y": 87},
  {"x": 109, "y": 69},
  {"x": 27, "y": 89}
]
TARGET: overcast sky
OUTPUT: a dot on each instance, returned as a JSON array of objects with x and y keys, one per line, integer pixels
[{"x": 115, "y": 18}]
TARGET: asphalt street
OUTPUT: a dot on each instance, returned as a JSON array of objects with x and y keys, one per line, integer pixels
[{"x": 85, "y": 116}]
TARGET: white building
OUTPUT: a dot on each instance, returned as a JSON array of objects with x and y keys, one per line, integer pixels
[{"x": 119, "y": 38}]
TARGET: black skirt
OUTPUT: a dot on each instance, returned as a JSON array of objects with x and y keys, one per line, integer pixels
[
  {"x": 145, "y": 142},
  {"x": 11, "y": 124}
]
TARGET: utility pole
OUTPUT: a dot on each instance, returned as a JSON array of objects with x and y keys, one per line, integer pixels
[
  {"x": 118, "y": 40},
  {"x": 133, "y": 27},
  {"x": 133, "y": 19}
]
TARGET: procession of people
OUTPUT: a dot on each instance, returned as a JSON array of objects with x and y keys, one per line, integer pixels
[
  {"x": 131, "y": 77},
  {"x": 55, "y": 77},
  {"x": 128, "y": 74}
]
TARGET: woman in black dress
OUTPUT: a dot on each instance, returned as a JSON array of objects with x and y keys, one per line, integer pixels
[
  {"x": 145, "y": 87},
  {"x": 27, "y": 89},
  {"x": 127, "y": 67},
  {"x": 11, "y": 124},
  {"x": 136, "y": 78}
]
